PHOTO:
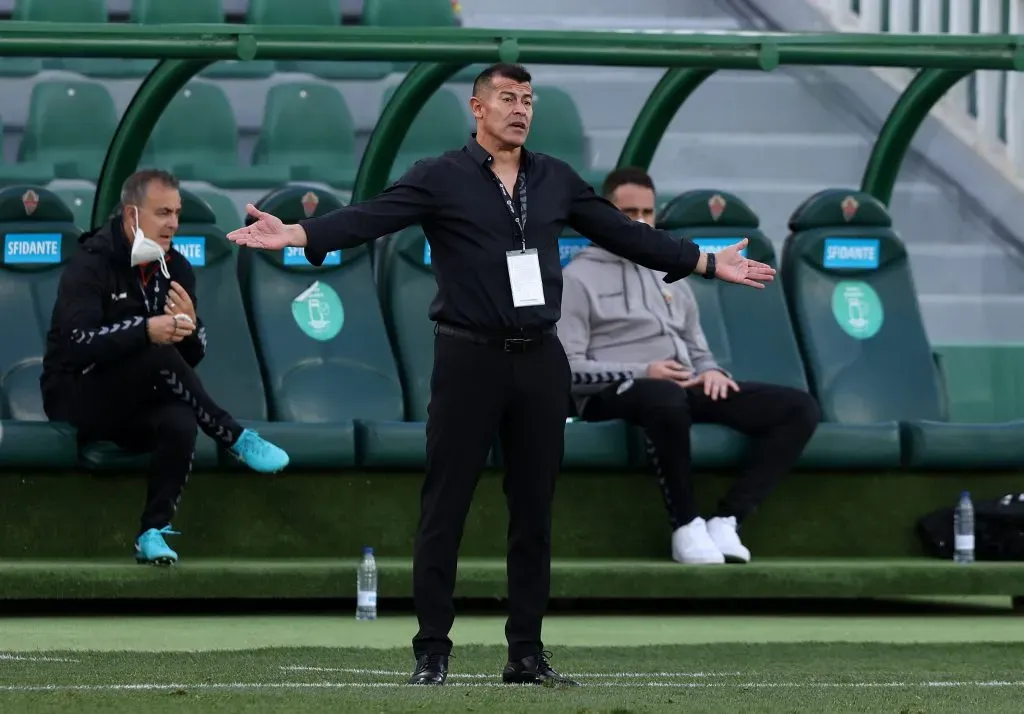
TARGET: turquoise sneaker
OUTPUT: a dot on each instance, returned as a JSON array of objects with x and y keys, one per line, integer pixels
[
  {"x": 259, "y": 454},
  {"x": 152, "y": 549}
]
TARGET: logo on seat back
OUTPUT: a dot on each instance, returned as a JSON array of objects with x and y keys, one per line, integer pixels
[
  {"x": 32, "y": 248},
  {"x": 716, "y": 205},
  {"x": 862, "y": 253},
  {"x": 714, "y": 245},
  {"x": 309, "y": 203},
  {"x": 569, "y": 247},
  {"x": 296, "y": 256},
  {"x": 193, "y": 248}
]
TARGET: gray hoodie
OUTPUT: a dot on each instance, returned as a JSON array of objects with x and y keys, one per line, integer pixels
[{"x": 618, "y": 317}]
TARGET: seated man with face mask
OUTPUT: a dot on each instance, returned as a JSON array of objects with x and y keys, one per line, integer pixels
[{"x": 122, "y": 349}]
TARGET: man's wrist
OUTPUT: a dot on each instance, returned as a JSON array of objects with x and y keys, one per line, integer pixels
[{"x": 296, "y": 235}]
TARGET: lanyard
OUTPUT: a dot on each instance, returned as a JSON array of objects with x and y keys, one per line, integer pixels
[{"x": 519, "y": 218}]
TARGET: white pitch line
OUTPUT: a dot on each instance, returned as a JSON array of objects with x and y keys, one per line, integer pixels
[
  {"x": 390, "y": 685},
  {"x": 19, "y": 658},
  {"x": 463, "y": 675}
]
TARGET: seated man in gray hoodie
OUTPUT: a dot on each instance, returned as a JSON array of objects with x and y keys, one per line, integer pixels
[{"x": 638, "y": 353}]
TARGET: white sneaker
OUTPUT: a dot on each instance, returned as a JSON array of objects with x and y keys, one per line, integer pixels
[
  {"x": 691, "y": 545},
  {"x": 723, "y": 532}
]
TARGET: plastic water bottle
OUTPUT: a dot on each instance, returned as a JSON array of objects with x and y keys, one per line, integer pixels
[
  {"x": 963, "y": 530},
  {"x": 366, "y": 587}
]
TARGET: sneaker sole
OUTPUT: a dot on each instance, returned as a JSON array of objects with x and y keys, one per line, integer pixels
[{"x": 162, "y": 562}]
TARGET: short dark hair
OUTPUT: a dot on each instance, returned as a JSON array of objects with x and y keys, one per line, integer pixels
[
  {"x": 515, "y": 72},
  {"x": 626, "y": 175},
  {"x": 134, "y": 188}
]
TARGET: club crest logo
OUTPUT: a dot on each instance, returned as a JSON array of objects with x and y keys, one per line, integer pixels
[
  {"x": 849, "y": 206},
  {"x": 716, "y": 204},
  {"x": 309, "y": 203},
  {"x": 30, "y": 200}
]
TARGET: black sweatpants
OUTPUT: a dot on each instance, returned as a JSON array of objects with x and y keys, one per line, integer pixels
[
  {"x": 153, "y": 402},
  {"x": 479, "y": 392},
  {"x": 778, "y": 420}
]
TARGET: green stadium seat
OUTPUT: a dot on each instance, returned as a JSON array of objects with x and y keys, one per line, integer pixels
[
  {"x": 20, "y": 67},
  {"x": 78, "y": 11},
  {"x": 76, "y": 149},
  {"x": 407, "y": 287},
  {"x": 849, "y": 288},
  {"x": 440, "y": 126},
  {"x": 22, "y": 173},
  {"x": 319, "y": 333},
  {"x": 557, "y": 130},
  {"x": 308, "y": 131},
  {"x": 752, "y": 336},
  {"x": 408, "y": 13},
  {"x": 79, "y": 199},
  {"x": 161, "y": 12},
  {"x": 317, "y": 13},
  {"x": 227, "y": 215},
  {"x": 39, "y": 236},
  {"x": 206, "y": 150}
]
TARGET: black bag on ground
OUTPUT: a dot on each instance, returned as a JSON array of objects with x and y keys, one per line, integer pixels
[{"x": 998, "y": 529}]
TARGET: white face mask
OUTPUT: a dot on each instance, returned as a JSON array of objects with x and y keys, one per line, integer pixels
[{"x": 145, "y": 250}]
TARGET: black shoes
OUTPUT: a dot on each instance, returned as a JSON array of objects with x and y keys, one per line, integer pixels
[
  {"x": 431, "y": 668},
  {"x": 535, "y": 670}
]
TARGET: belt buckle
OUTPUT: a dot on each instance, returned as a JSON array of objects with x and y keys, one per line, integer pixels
[{"x": 516, "y": 344}]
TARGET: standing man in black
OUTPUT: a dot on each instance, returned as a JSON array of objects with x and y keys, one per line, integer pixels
[{"x": 492, "y": 213}]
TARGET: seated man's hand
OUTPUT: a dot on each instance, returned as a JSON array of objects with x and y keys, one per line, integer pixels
[
  {"x": 166, "y": 330},
  {"x": 668, "y": 369},
  {"x": 179, "y": 303},
  {"x": 716, "y": 384}
]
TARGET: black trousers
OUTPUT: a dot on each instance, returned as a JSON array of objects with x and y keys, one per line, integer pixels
[
  {"x": 479, "y": 392},
  {"x": 778, "y": 420},
  {"x": 153, "y": 402}
]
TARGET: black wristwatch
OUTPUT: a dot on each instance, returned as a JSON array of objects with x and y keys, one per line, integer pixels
[{"x": 709, "y": 273}]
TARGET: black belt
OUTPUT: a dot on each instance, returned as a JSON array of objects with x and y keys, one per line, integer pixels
[{"x": 518, "y": 341}]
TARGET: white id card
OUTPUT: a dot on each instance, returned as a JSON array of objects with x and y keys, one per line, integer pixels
[{"x": 524, "y": 277}]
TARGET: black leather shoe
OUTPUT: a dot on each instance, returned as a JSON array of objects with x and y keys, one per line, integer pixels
[
  {"x": 535, "y": 670},
  {"x": 431, "y": 668}
]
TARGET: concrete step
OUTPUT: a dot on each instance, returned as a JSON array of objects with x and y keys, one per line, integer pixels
[
  {"x": 730, "y": 101},
  {"x": 651, "y": 9},
  {"x": 954, "y": 319},
  {"x": 829, "y": 159},
  {"x": 969, "y": 269}
]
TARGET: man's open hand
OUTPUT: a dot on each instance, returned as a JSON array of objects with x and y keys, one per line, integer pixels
[{"x": 732, "y": 267}]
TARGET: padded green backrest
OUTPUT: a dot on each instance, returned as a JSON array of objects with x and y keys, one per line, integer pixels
[
  {"x": 39, "y": 237},
  {"x": 79, "y": 199},
  {"x": 224, "y": 209},
  {"x": 180, "y": 139},
  {"x": 440, "y": 126},
  {"x": 748, "y": 330},
  {"x": 230, "y": 370},
  {"x": 850, "y": 292},
  {"x": 306, "y": 124},
  {"x": 557, "y": 128},
  {"x": 319, "y": 331},
  {"x": 49, "y": 134},
  {"x": 164, "y": 12},
  {"x": 409, "y": 13},
  {"x": 408, "y": 287},
  {"x": 60, "y": 10},
  {"x": 294, "y": 12}
]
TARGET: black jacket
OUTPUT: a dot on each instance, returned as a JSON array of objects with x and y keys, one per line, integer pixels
[{"x": 99, "y": 317}]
